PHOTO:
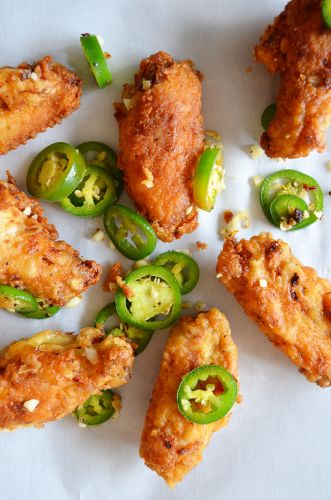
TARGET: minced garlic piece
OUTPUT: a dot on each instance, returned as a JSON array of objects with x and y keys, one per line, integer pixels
[
  {"x": 219, "y": 275},
  {"x": 189, "y": 210},
  {"x": 255, "y": 151},
  {"x": 213, "y": 134},
  {"x": 98, "y": 236},
  {"x": 27, "y": 211},
  {"x": 257, "y": 180},
  {"x": 329, "y": 165},
  {"x": 187, "y": 305},
  {"x": 146, "y": 84},
  {"x": 149, "y": 181},
  {"x": 200, "y": 306},
  {"x": 91, "y": 354},
  {"x": 305, "y": 214},
  {"x": 128, "y": 103},
  {"x": 263, "y": 283},
  {"x": 34, "y": 76},
  {"x": 241, "y": 220},
  {"x": 318, "y": 214},
  {"x": 31, "y": 405}
]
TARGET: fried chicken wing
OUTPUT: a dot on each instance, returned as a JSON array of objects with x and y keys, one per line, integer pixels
[
  {"x": 171, "y": 445},
  {"x": 287, "y": 300},
  {"x": 298, "y": 47},
  {"x": 57, "y": 372},
  {"x": 30, "y": 256},
  {"x": 33, "y": 98},
  {"x": 160, "y": 141}
]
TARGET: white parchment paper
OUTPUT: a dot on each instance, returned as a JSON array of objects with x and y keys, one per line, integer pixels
[{"x": 277, "y": 445}]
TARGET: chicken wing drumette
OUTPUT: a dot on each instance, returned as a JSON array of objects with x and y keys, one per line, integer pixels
[{"x": 298, "y": 47}]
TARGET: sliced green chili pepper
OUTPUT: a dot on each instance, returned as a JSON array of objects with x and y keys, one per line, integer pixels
[
  {"x": 268, "y": 115},
  {"x": 97, "y": 409},
  {"x": 298, "y": 185},
  {"x": 16, "y": 300},
  {"x": 206, "y": 394},
  {"x": 130, "y": 233},
  {"x": 55, "y": 172},
  {"x": 96, "y": 59},
  {"x": 183, "y": 267},
  {"x": 208, "y": 178},
  {"x": 93, "y": 195},
  {"x": 326, "y": 13},
  {"x": 44, "y": 311},
  {"x": 101, "y": 155},
  {"x": 140, "y": 338},
  {"x": 156, "y": 300}
]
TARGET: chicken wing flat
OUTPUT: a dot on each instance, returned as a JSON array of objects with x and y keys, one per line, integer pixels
[
  {"x": 171, "y": 445},
  {"x": 33, "y": 98},
  {"x": 160, "y": 140},
  {"x": 30, "y": 256},
  {"x": 298, "y": 47},
  {"x": 57, "y": 372},
  {"x": 287, "y": 300}
]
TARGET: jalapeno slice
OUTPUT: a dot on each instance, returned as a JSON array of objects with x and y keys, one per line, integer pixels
[
  {"x": 44, "y": 311},
  {"x": 101, "y": 155},
  {"x": 183, "y": 267},
  {"x": 208, "y": 178},
  {"x": 206, "y": 394},
  {"x": 16, "y": 300},
  {"x": 96, "y": 59},
  {"x": 93, "y": 195},
  {"x": 97, "y": 409},
  {"x": 55, "y": 172},
  {"x": 326, "y": 13},
  {"x": 131, "y": 234},
  {"x": 268, "y": 115},
  {"x": 139, "y": 338},
  {"x": 156, "y": 300},
  {"x": 295, "y": 187}
]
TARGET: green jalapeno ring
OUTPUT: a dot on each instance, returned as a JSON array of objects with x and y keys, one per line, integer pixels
[
  {"x": 298, "y": 182},
  {"x": 96, "y": 183},
  {"x": 103, "y": 156},
  {"x": 287, "y": 207},
  {"x": 44, "y": 311},
  {"x": 97, "y": 409},
  {"x": 140, "y": 338},
  {"x": 143, "y": 239},
  {"x": 17, "y": 300},
  {"x": 156, "y": 292},
  {"x": 220, "y": 403},
  {"x": 96, "y": 59},
  {"x": 183, "y": 267},
  {"x": 268, "y": 115},
  {"x": 55, "y": 172},
  {"x": 326, "y": 13},
  {"x": 208, "y": 178}
]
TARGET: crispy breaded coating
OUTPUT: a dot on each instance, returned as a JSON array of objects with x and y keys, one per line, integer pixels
[
  {"x": 291, "y": 305},
  {"x": 33, "y": 98},
  {"x": 30, "y": 256},
  {"x": 160, "y": 140},
  {"x": 298, "y": 46},
  {"x": 57, "y": 372},
  {"x": 170, "y": 444}
]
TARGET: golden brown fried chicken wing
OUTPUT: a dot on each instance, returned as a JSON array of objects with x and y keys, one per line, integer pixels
[
  {"x": 47, "y": 376},
  {"x": 33, "y": 98},
  {"x": 161, "y": 139},
  {"x": 30, "y": 256},
  {"x": 171, "y": 445},
  {"x": 287, "y": 300},
  {"x": 298, "y": 47}
]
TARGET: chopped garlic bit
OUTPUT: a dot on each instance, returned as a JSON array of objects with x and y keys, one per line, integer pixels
[
  {"x": 31, "y": 405},
  {"x": 98, "y": 236},
  {"x": 240, "y": 220},
  {"x": 219, "y": 275},
  {"x": 263, "y": 283},
  {"x": 329, "y": 165},
  {"x": 128, "y": 104},
  {"x": 140, "y": 263},
  {"x": 318, "y": 214},
  {"x": 184, "y": 250},
  {"x": 279, "y": 160},
  {"x": 255, "y": 151},
  {"x": 91, "y": 354},
  {"x": 189, "y": 210},
  {"x": 146, "y": 84},
  {"x": 311, "y": 207},
  {"x": 286, "y": 225},
  {"x": 257, "y": 180},
  {"x": 213, "y": 134},
  {"x": 34, "y": 76},
  {"x": 187, "y": 305},
  {"x": 73, "y": 302},
  {"x": 305, "y": 214},
  {"x": 117, "y": 405},
  {"x": 81, "y": 425},
  {"x": 27, "y": 211},
  {"x": 149, "y": 181}
]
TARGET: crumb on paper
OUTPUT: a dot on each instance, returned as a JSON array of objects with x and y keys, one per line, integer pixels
[
  {"x": 248, "y": 69},
  {"x": 107, "y": 55},
  {"x": 240, "y": 220},
  {"x": 200, "y": 306},
  {"x": 201, "y": 245},
  {"x": 227, "y": 216},
  {"x": 187, "y": 305},
  {"x": 110, "y": 281},
  {"x": 329, "y": 166},
  {"x": 255, "y": 151}
]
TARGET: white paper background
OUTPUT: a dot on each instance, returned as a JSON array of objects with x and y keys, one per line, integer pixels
[{"x": 277, "y": 445}]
